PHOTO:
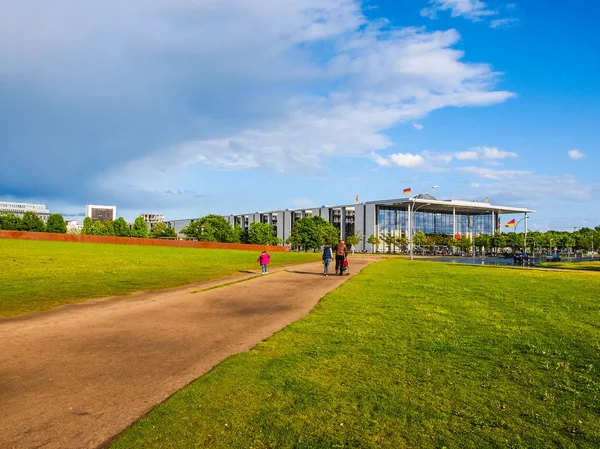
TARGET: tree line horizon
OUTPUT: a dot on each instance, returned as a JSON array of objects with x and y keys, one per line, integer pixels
[{"x": 309, "y": 233}]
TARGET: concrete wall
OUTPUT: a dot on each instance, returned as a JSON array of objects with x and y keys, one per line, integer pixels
[
  {"x": 22, "y": 235},
  {"x": 371, "y": 222},
  {"x": 287, "y": 224},
  {"x": 359, "y": 226}
]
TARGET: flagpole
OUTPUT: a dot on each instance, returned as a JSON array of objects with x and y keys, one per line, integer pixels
[
  {"x": 525, "y": 238},
  {"x": 411, "y": 211}
]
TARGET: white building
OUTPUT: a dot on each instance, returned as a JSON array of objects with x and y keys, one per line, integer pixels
[
  {"x": 101, "y": 213},
  {"x": 397, "y": 217},
  {"x": 19, "y": 208},
  {"x": 73, "y": 225},
  {"x": 153, "y": 218}
]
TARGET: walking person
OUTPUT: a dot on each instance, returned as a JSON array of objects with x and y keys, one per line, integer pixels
[
  {"x": 341, "y": 252},
  {"x": 327, "y": 257},
  {"x": 264, "y": 260}
]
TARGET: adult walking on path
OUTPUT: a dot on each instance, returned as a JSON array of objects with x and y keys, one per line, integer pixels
[
  {"x": 341, "y": 252},
  {"x": 327, "y": 258},
  {"x": 76, "y": 376}
]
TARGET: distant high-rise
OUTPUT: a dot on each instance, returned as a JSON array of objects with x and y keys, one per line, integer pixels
[{"x": 101, "y": 213}]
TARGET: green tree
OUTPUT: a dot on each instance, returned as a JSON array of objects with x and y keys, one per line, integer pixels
[
  {"x": 464, "y": 243},
  {"x": 9, "y": 222},
  {"x": 402, "y": 241},
  {"x": 312, "y": 233},
  {"x": 56, "y": 224},
  {"x": 161, "y": 230},
  {"x": 304, "y": 234},
  {"x": 98, "y": 228},
  {"x": 389, "y": 240},
  {"x": 444, "y": 240},
  {"x": 262, "y": 234},
  {"x": 109, "y": 228},
  {"x": 374, "y": 241},
  {"x": 88, "y": 226},
  {"x": 32, "y": 222},
  {"x": 327, "y": 232},
  {"x": 353, "y": 239},
  {"x": 121, "y": 227},
  {"x": 430, "y": 242},
  {"x": 498, "y": 241},
  {"x": 140, "y": 228},
  {"x": 211, "y": 228},
  {"x": 240, "y": 235},
  {"x": 515, "y": 240},
  {"x": 420, "y": 239},
  {"x": 483, "y": 241}
]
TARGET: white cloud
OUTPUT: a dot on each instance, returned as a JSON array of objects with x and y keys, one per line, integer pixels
[
  {"x": 380, "y": 160},
  {"x": 232, "y": 82},
  {"x": 386, "y": 78},
  {"x": 496, "y": 175},
  {"x": 425, "y": 161},
  {"x": 418, "y": 126},
  {"x": 576, "y": 154},
  {"x": 528, "y": 188},
  {"x": 432, "y": 161},
  {"x": 407, "y": 160},
  {"x": 504, "y": 23},
  {"x": 471, "y": 9},
  {"x": 484, "y": 153}
]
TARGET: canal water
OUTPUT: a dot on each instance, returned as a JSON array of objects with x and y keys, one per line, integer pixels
[{"x": 497, "y": 261}]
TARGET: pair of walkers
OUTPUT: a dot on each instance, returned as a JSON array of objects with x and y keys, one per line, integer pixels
[{"x": 341, "y": 258}]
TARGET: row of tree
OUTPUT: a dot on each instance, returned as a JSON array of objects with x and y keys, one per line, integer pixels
[
  {"x": 215, "y": 228},
  {"x": 56, "y": 224},
  {"x": 583, "y": 239},
  {"x": 120, "y": 228},
  {"x": 32, "y": 222},
  {"x": 308, "y": 233}
]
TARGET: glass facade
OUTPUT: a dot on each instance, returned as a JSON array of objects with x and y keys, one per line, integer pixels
[{"x": 393, "y": 220}]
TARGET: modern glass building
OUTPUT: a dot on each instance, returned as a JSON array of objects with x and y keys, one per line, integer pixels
[{"x": 432, "y": 216}]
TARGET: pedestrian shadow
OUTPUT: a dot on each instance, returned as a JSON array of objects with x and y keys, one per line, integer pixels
[
  {"x": 247, "y": 271},
  {"x": 305, "y": 272}
]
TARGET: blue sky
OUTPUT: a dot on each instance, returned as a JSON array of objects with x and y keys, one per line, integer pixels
[{"x": 194, "y": 107}]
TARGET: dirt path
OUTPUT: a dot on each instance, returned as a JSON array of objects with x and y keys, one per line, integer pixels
[{"x": 76, "y": 376}]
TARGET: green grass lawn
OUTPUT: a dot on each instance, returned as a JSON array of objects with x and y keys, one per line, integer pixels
[
  {"x": 584, "y": 266},
  {"x": 408, "y": 355},
  {"x": 37, "y": 275}
]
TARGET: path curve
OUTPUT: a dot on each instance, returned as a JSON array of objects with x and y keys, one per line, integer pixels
[{"x": 76, "y": 376}]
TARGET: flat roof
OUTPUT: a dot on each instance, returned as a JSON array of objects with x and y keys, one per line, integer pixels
[
  {"x": 431, "y": 204},
  {"x": 462, "y": 207}
]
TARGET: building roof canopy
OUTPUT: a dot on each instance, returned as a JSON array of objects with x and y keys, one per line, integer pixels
[{"x": 449, "y": 206}]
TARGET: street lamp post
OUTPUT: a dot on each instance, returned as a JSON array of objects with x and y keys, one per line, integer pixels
[
  {"x": 525, "y": 235},
  {"x": 411, "y": 211}
]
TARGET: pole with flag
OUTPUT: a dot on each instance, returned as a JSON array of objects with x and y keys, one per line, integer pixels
[
  {"x": 511, "y": 223},
  {"x": 407, "y": 191},
  {"x": 356, "y": 199}
]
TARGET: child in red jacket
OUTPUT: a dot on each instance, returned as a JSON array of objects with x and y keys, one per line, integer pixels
[{"x": 264, "y": 260}]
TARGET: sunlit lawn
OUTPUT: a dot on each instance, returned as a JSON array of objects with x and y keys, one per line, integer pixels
[
  {"x": 36, "y": 275},
  {"x": 585, "y": 266},
  {"x": 408, "y": 354}
]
